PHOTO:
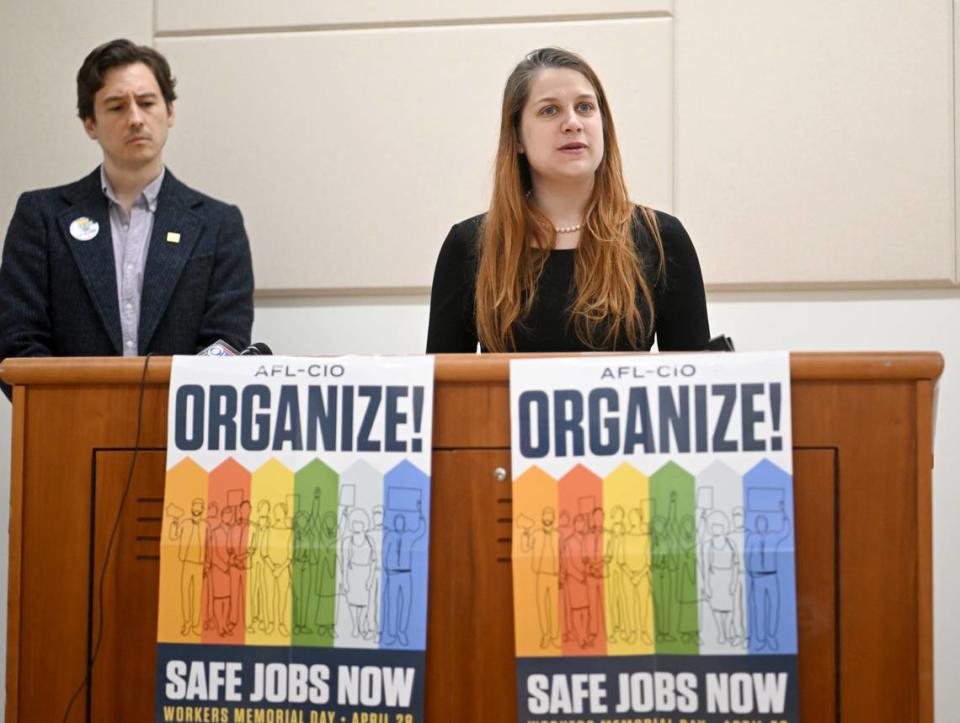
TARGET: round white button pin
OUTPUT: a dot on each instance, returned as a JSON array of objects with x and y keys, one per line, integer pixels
[{"x": 84, "y": 229}]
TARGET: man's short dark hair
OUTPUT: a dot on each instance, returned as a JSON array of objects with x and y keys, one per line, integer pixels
[{"x": 115, "y": 54}]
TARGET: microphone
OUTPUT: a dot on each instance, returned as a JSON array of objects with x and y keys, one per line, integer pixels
[
  {"x": 218, "y": 348},
  {"x": 720, "y": 343},
  {"x": 222, "y": 348}
]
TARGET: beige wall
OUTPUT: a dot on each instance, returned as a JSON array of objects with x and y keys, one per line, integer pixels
[
  {"x": 41, "y": 47},
  {"x": 206, "y": 16},
  {"x": 354, "y": 134},
  {"x": 356, "y": 150},
  {"x": 823, "y": 130}
]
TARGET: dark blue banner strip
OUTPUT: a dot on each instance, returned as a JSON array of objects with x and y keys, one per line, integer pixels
[
  {"x": 287, "y": 685},
  {"x": 658, "y": 689}
]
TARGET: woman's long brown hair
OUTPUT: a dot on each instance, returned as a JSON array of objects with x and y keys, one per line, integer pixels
[{"x": 608, "y": 275}]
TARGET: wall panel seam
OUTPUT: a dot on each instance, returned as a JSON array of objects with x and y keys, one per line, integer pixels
[
  {"x": 956, "y": 143},
  {"x": 675, "y": 78},
  {"x": 409, "y": 24}
]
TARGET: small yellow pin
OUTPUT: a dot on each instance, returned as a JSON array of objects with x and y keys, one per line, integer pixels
[{"x": 173, "y": 237}]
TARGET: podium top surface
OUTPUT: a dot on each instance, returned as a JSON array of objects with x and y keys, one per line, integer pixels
[{"x": 804, "y": 366}]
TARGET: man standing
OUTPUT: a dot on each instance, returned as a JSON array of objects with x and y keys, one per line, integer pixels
[
  {"x": 127, "y": 260},
  {"x": 398, "y": 561},
  {"x": 763, "y": 560},
  {"x": 543, "y": 544},
  {"x": 191, "y": 534}
]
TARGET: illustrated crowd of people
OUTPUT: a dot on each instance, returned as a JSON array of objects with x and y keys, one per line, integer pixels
[
  {"x": 608, "y": 574},
  {"x": 306, "y": 570}
]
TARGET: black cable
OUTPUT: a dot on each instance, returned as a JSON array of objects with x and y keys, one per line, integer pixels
[{"x": 113, "y": 533}]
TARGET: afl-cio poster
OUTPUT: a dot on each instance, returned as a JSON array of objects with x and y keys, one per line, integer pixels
[
  {"x": 653, "y": 540},
  {"x": 293, "y": 561}
]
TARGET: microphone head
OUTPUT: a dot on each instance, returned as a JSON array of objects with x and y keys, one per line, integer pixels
[
  {"x": 218, "y": 348},
  {"x": 257, "y": 349}
]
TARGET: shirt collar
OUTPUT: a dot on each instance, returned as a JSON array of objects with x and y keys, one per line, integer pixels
[{"x": 149, "y": 194}]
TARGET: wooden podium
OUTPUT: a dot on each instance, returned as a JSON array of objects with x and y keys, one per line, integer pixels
[{"x": 862, "y": 429}]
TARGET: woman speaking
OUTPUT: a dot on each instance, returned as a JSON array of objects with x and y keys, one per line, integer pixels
[{"x": 563, "y": 261}]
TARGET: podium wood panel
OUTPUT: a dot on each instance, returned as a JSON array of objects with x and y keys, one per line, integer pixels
[
  {"x": 862, "y": 462},
  {"x": 127, "y": 655}
]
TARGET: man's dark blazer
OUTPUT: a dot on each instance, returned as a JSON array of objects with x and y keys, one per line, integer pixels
[{"x": 58, "y": 294}]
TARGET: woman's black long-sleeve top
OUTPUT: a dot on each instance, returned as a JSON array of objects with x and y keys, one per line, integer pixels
[{"x": 679, "y": 299}]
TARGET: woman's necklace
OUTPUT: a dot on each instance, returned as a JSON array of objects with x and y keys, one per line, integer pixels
[{"x": 568, "y": 229}]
